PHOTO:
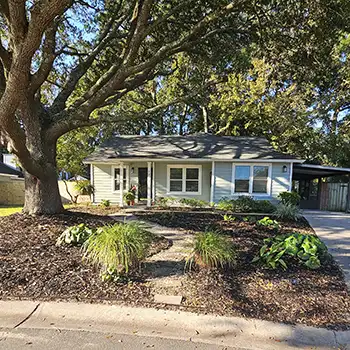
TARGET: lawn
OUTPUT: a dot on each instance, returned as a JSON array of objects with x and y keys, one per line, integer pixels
[
  {"x": 5, "y": 210},
  {"x": 33, "y": 267}
]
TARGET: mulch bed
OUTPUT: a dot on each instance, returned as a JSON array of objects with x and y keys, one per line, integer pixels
[
  {"x": 33, "y": 267},
  {"x": 298, "y": 295}
]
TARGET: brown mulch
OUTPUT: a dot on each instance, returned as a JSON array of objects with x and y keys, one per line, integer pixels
[
  {"x": 33, "y": 267},
  {"x": 298, "y": 295}
]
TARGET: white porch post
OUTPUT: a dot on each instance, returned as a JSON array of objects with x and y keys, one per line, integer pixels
[
  {"x": 212, "y": 190},
  {"x": 149, "y": 183},
  {"x": 121, "y": 182},
  {"x": 153, "y": 182}
]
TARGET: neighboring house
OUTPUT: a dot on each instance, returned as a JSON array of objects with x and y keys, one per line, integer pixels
[
  {"x": 201, "y": 166},
  {"x": 11, "y": 185}
]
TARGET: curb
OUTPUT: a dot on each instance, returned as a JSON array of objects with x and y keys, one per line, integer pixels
[{"x": 219, "y": 330}]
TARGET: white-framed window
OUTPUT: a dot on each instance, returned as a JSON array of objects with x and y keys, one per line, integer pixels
[
  {"x": 116, "y": 178},
  {"x": 184, "y": 179},
  {"x": 251, "y": 179}
]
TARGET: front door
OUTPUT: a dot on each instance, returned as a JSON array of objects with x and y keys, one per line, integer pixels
[{"x": 142, "y": 186}]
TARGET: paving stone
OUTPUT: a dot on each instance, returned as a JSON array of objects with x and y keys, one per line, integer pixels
[{"x": 168, "y": 299}]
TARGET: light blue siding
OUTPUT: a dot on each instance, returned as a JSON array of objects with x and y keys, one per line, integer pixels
[{"x": 280, "y": 181}]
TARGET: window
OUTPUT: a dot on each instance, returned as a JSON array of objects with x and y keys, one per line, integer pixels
[
  {"x": 251, "y": 179},
  {"x": 117, "y": 179},
  {"x": 260, "y": 178},
  {"x": 242, "y": 176},
  {"x": 184, "y": 179}
]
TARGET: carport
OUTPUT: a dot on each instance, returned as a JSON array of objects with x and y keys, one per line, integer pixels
[{"x": 308, "y": 182}]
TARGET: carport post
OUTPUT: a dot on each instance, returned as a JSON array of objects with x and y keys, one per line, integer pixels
[{"x": 348, "y": 197}]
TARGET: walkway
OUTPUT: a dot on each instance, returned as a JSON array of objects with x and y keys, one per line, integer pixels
[
  {"x": 165, "y": 270},
  {"x": 334, "y": 230}
]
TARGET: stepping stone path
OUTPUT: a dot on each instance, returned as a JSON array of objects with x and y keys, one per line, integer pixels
[{"x": 165, "y": 270}]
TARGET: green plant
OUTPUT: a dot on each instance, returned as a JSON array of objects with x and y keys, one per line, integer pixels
[
  {"x": 267, "y": 222},
  {"x": 84, "y": 187},
  {"x": 194, "y": 203},
  {"x": 287, "y": 212},
  {"x": 75, "y": 235},
  {"x": 292, "y": 198},
  {"x": 225, "y": 204},
  {"x": 263, "y": 206},
  {"x": 164, "y": 202},
  {"x": 106, "y": 203},
  {"x": 229, "y": 218},
  {"x": 306, "y": 249},
  {"x": 211, "y": 249},
  {"x": 116, "y": 249},
  {"x": 246, "y": 204}
]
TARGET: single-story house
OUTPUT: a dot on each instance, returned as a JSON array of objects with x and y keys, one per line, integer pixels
[{"x": 201, "y": 166}]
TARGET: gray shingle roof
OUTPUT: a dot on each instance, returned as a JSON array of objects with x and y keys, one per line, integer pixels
[{"x": 197, "y": 146}]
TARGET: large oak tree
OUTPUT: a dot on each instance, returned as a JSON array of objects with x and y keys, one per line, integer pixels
[{"x": 64, "y": 63}]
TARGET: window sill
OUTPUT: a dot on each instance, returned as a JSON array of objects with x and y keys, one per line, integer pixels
[
  {"x": 184, "y": 193},
  {"x": 250, "y": 194}
]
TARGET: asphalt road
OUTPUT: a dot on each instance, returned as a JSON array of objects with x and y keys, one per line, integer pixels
[{"x": 47, "y": 339}]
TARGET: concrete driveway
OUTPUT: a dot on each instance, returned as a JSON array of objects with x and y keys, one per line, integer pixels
[{"x": 334, "y": 230}]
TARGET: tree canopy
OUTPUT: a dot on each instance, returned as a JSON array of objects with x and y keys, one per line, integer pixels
[{"x": 69, "y": 64}]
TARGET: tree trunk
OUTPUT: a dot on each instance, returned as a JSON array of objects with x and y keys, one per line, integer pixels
[{"x": 42, "y": 195}]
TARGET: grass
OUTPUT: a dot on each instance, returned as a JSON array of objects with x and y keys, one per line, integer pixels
[{"x": 8, "y": 210}]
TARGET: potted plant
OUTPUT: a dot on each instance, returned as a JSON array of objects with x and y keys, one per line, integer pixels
[{"x": 130, "y": 196}]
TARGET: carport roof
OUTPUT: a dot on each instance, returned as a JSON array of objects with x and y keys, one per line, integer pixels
[
  {"x": 311, "y": 171},
  {"x": 7, "y": 170}
]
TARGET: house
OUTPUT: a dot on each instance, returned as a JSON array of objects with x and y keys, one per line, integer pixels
[
  {"x": 11, "y": 185},
  {"x": 201, "y": 166}
]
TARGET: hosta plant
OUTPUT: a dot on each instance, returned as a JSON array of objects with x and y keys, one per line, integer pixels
[
  {"x": 307, "y": 250},
  {"x": 268, "y": 222},
  {"x": 229, "y": 218},
  {"x": 75, "y": 235},
  {"x": 211, "y": 249}
]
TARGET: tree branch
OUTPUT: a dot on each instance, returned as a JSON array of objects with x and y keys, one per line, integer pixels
[{"x": 48, "y": 57}]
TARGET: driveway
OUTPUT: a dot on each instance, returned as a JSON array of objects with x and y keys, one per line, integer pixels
[{"x": 334, "y": 230}]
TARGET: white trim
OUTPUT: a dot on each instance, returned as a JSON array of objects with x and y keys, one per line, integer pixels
[
  {"x": 92, "y": 198},
  {"x": 290, "y": 176},
  {"x": 212, "y": 190},
  {"x": 251, "y": 179},
  {"x": 153, "y": 182},
  {"x": 184, "y": 167},
  {"x": 127, "y": 168},
  {"x": 192, "y": 160},
  {"x": 149, "y": 183}
]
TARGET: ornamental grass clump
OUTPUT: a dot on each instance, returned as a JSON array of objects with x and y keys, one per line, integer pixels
[
  {"x": 117, "y": 249},
  {"x": 288, "y": 212},
  {"x": 211, "y": 250}
]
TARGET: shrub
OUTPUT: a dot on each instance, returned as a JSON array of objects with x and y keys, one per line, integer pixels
[
  {"x": 194, "y": 203},
  {"x": 106, "y": 203},
  {"x": 116, "y": 249},
  {"x": 75, "y": 235},
  {"x": 211, "y": 250},
  {"x": 306, "y": 249},
  {"x": 267, "y": 222},
  {"x": 246, "y": 204},
  {"x": 84, "y": 188},
  {"x": 263, "y": 206},
  {"x": 225, "y": 204},
  {"x": 292, "y": 198},
  {"x": 288, "y": 212},
  {"x": 165, "y": 202}
]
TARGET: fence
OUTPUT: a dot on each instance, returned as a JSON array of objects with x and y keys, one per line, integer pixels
[
  {"x": 335, "y": 196},
  {"x": 12, "y": 192}
]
